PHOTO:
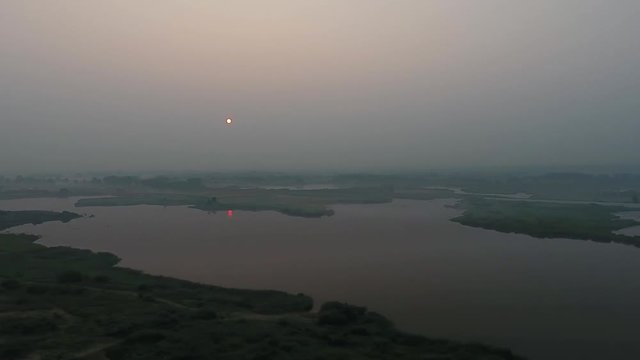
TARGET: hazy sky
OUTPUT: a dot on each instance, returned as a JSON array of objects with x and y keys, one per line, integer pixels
[{"x": 334, "y": 84}]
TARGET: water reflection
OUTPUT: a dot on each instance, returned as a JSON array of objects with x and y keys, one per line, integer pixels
[{"x": 545, "y": 298}]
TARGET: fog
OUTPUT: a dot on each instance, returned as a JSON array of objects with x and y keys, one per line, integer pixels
[{"x": 357, "y": 84}]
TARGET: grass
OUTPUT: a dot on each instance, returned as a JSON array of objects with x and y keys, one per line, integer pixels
[
  {"x": 10, "y": 219},
  {"x": 548, "y": 220}
]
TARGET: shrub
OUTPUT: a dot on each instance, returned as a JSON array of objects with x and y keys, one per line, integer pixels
[
  {"x": 339, "y": 314},
  {"x": 15, "y": 350},
  {"x": 144, "y": 288},
  {"x": 333, "y": 318},
  {"x": 377, "y": 320},
  {"x": 27, "y": 326},
  {"x": 37, "y": 289},
  {"x": 11, "y": 284},
  {"x": 360, "y": 331},
  {"x": 205, "y": 314},
  {"x": 101, "y": 279},
  {"x": 70, "y": 276},
  {"x": 146, "y": 297},
  {"x": 146, "y": 336}
]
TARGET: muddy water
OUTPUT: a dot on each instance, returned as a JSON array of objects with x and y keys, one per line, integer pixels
[{"x": 544, "y": 298}]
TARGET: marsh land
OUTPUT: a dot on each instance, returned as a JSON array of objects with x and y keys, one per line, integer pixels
[{"x": 384, "y": 241}]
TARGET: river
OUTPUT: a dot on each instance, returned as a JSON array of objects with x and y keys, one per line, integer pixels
[{"x": 543, "y": 298}]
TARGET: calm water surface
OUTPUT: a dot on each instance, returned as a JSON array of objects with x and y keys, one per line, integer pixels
[{"x": 543, "y": 298}]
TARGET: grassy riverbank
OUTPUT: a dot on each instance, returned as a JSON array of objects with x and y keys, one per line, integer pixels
[
  {"x": 548, "y": 220},
  {"x": 10, "y": 219}
]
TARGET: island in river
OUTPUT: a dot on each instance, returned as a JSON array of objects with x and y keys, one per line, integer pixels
[
  {"x": 553, "y": 205},
  {"x": 549, "y": 220}
]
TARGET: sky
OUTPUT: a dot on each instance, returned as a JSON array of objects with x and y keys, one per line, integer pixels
[{"x": 92, "y": 85}]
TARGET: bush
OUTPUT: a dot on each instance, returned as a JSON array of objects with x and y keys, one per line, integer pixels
[
  {"x": 377, "y": 320},
  {"x": 205, "y": 314},
  {"x": 15, "y": 350},
  {"x": 144, "y": 288},
  {"x": 37, "y": 289},
  {"x": 27, "y": 326},
  {"x": 70, "y": 276},
  {"x": 339, "y": 314},
  {"x": 146, "y": 336},
  {"x": 146, "y": 297},
  {"x": 101, "y": 279},
  {"x": 11, "y": 284},
  {"x": 68, "y": 290},
  {"x": 335, "y": 318},
  {"x": 360, "y": 331}
]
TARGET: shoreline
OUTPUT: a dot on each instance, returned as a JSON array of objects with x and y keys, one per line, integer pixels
[{"x": 71, "y": 280}]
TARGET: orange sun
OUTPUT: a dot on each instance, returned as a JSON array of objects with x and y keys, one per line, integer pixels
[{"x": 229, "y": 121}]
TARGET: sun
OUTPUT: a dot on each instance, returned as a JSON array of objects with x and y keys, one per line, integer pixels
[{"x": 229, "y": 121}]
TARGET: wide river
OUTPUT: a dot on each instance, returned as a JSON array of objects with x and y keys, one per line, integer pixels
[{"x": 543, "y": 298}]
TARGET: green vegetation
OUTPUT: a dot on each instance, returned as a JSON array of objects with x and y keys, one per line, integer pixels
[
  {"x": 158, "y": 182},
  {"x": 162, "y": 199},
  {"x": 257, "y": 191},
  {"x": 425, "y": 194},
  {"x": 621, "y": 187},
  {"x": 548, "y": 220},
  {"x": 65, "y": 303},
  {"x": 304, "y": 203},
  {"x": 24, "y": 193},
  {"x": 10, "y": 219}
]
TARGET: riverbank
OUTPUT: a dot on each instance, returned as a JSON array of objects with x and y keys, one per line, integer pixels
[
  {"x": 61, "y": 302},
  {"x": 301, "y": 203},
  {"x": 549, "y": 220}
]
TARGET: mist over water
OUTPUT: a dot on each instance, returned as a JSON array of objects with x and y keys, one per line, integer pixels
[
  {"x": 392, "y": 98},
  {"x": 543, "y": 298},
  {"x": 362, "y": 84}
]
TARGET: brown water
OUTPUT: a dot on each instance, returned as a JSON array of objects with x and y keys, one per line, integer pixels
[{"x": 544, "y": 298}]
